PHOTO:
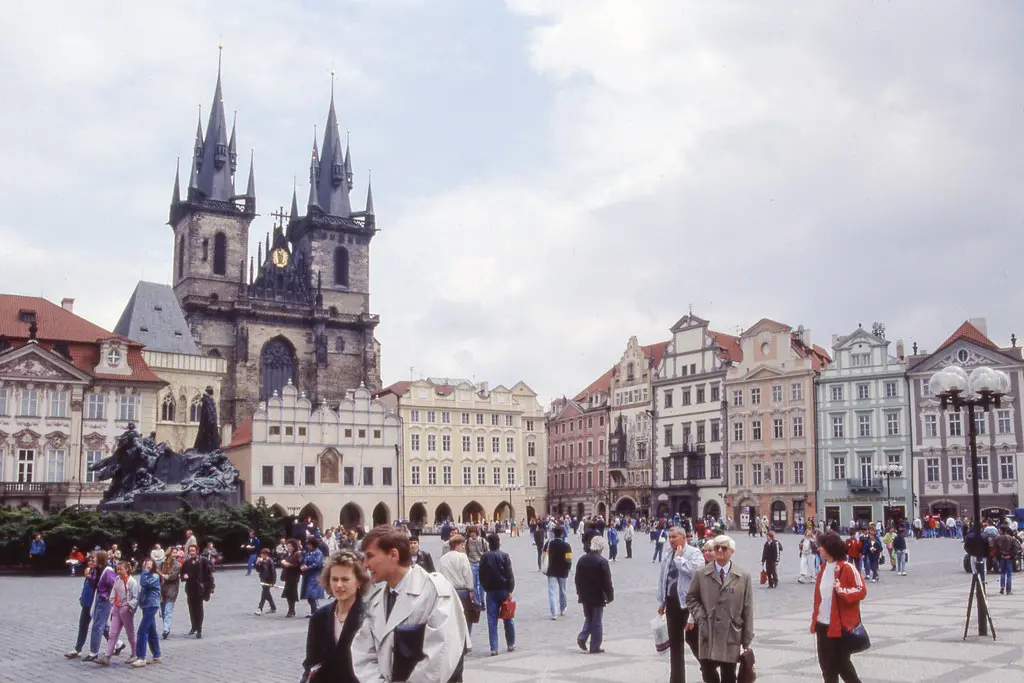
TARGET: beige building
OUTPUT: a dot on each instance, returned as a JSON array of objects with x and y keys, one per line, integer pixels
[
  {"x": 469, "y": 453},
  {"x": 68, "y": 389},
  {"x": 153, "y": 317},
  {"x": 771, "y": 430},
  {"x": 336, "y": 465}
]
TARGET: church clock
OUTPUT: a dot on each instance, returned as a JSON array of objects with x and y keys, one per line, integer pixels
[{"x": 279, "y": 257}]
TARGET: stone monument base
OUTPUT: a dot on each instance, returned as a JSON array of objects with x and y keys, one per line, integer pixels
[{"x": 173, "y": 501}]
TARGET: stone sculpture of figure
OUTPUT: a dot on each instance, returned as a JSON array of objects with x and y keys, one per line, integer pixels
[{"x": 208, "y": 438}]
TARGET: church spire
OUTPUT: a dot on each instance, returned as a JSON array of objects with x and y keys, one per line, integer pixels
[
  {"x": 232, "y": 150},
  {"x": 250, "y": 190},
  {"x": 295, "y": 201},
  {"x": 176, "y": 192},
  {"x": 348, "y": 163},
  {"x": 369, "y": 219},
  {"x": 314, "y": 171},
  {"x": 332, "y": 186},
  {"x": 215, "y": 180}
]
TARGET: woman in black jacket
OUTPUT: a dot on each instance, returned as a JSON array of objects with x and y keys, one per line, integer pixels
[
  {"x": 333, "y": 626},
  {"x": 498, "y": 582},
  {"x": 291, "y": 571}
]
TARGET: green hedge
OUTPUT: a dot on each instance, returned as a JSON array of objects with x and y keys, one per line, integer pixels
[{"x": 228, "y": 529}]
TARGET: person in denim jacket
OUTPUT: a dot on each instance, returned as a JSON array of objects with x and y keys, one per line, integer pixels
[
  {"x": 312, "y": 563},
  {"x": 149, "y": 601}
]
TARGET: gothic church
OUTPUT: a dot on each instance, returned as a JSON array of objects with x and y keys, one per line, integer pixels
[{"x": 298, "y": 311}]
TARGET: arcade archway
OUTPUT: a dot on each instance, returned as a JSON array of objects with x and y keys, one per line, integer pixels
[
  {"x": 418, "y": 515},
  {"x": 473, "y": 512},
  {"x": 313, "y": 512},
  {"x": 503, "y": 512},
  {"x": 381, "y": 515},
  {"x": 712, "y": 509},
  {"x": 351, "y": 516},
  {"x": 442, "y": 513},
  {"x": 625, "y": 506}
]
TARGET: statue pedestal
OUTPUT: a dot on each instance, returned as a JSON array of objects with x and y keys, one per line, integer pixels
[{"x": 173, "y": 501}]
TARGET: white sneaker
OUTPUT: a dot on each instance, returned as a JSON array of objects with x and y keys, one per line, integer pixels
[
  {"x": 139, "y": 663},
  {"x": 554, "y": 617},
  {"x": 258, "y": 613}
]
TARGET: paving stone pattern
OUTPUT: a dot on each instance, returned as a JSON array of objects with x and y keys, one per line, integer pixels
[{"x": 916, "y": 625}]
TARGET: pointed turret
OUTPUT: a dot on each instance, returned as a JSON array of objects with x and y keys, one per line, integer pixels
[
  {"x": 295, "y": 202},
  {"x": 314, "y": 171},
  {"x": 197, "y": 148},
  {"x": 215, "y": 179},
  {"x": 348, "y": 164},
  {"x": 176, "y": 192},
  {"x": 332, "y": 185},
  {"x": 250, "y": 189},
  {"x": 232, "y": 151},
  {"x": 259, "y": 253},
  {"x": 369, "y": 196}
]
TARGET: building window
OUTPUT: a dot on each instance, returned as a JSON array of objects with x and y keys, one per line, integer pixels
[
  {"x": 341, "y": 266},
  {"x": 700, "y": 394},
  {"x": 755, "y": 474},
  {"x": 666, "y": 469},
  {"x": 275, "y": 430},
  {"x": 777, "y": 428},
  {"x": 467, "y": 475},
  {"x": 931, "y": 469},
  {"x": 386, "y": 477},
  {"x": 432, "y": 442},
  {"x": 931, "y": 425},
  {"x": 289, "y": 475},
  {"x": 955, "y": 425},
  {"x": 780, "y": 473},
  {"x": 59, "y": 403},
  {"x": 716, "y": 431},
  {"x": 776, "y": 393},
  {"x": 798, "y": 427},
  {"x": 415, "y": 475},
  {"x": 267, "y": 474},
  {"x": 838, "y": 467},
  {"x": 494, "y": 420},
  {"x": 349, "y": 476},
  {"x": 220, "y": 254},
  {"x": 668, "y": 435},
  {"x": 511, "y": 472},
  {"x": 533, "y": 478},
  {"x": 982, "y": 468},
  {"x": 716, "y": 466},
  {"x": 414, "y": 441},
  {"x": 529, "y": 424},
  {"x": 737, "y": 431},
  {"x": 837, "y": 392},
  {"x": 479, "y": 444},
  {"x": 863, "y": 392},
  {"x": 891, "y": 390},
  {"x": 980, "y": 422},
  {"x": 181, "y": 257},
  {"x": 860, "y": 360},
  {"x": 465, "y": 418},
  {"x": 1006, "y": 468},
  {"x": 1004, "y": 424},
  {"x": 864, "y": 425},
  {"x": 431, "y": 416},
  {"x": 29, "y": 403},
  {"x": 531, "y": 449},
  {"x": 755, "y": 430},
  {"x": 414, "y": 416},
  {"x": 467, "y": 444},
  {"x": 481, "y": 476},
  {"x": 56, "y": 461},
  {"x": 5, "y": 393},
  {"x": 431, "y": 475},
  {"x": 91, "y": 458},
  {"x": 798, "y": 471},
  {"x": 838, "y": 427},
  {"x": 737, "y": 476},
  {"x": 797, "y": 392},
  {"x": 289, "y": 430},
  {"x": 510, "y": 445},
  {"x": 446, "y": 475},
  {"x": 497, "y": 476},
  {"x": 496, "y": 444},
  {"x": 685, "y": 393},
  {"x": 926, "y": 388},
  {"x": 376, "y": 432},
  {"x": 667, "y": 403},
  {"x": 956, "y": 468},
  {"x": 510, "y": 421},
  {"x": 755, "y": 396},
  {"x": 309, "y": 475},
  {"x": 479, "y": 418},
  {"x": 892, "y": 424},
  {"x": 737, "y": 398},
  {"x": 129, "y": 408},
  {"x": 716, "y": 393},
  {"x": 446, "y": 443}
]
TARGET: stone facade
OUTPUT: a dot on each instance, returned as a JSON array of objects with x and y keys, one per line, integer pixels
[
  {"x": 863, "y": 412},
  {"x": 457, "y": 432},
  {"x": 942, "y": 467},
  {"x": 578, "y": 456},
  {"x": 771, "y": 425},
  {"x": 690, "y": 419},
  {"x": 177, "y": 406},
  {"x": 336, "y": 465}
]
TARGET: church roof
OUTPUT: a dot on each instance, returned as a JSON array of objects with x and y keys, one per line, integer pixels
[{"x": 153, "y": 318}]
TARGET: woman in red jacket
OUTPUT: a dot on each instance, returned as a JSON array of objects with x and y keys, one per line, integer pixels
[{"x": 837, "y": 594}]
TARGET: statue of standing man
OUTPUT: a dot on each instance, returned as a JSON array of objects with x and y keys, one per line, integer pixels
[{"x": 208, "y": 438}]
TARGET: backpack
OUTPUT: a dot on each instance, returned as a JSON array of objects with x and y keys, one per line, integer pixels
[{"x": 545, "y": 560}]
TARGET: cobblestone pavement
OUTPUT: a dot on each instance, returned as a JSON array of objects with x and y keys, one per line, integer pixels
[{"x": 916, "y": 624}]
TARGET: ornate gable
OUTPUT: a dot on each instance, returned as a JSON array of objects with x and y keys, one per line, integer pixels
[
  {"x": 860, "y": 335},
  {"x": 965, "y": 353},
  {"x": 766, "y": 325},
  {"x": 33, "y": 362}
]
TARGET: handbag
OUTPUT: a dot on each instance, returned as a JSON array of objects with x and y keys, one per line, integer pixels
[
  {"x": 764, "y": 577},
  {"x": 856, "y": 639},
  {"x": 545, "y": 561},
  {"x": 659, "y": 627},
  {"x": 747, "y": 673},
  {"x": 507, "y": 609}
]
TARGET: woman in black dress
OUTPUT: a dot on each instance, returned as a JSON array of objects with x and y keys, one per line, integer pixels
[
  {"x": 291, "y": 572},
  {"x": 333, "y": 626}
]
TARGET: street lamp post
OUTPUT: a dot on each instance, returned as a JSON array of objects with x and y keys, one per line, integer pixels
[
  {"x": 983, "y": 390},
  {"x": 510, "y": 488},
  {"x": 889, "y": 471}
]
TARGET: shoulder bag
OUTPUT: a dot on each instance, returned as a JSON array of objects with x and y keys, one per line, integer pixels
[
  {"x": 856, "y": 639},
  {"x": 545, "y": 560}
]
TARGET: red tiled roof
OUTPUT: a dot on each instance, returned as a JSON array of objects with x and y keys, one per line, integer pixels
[
  {"x": 971, "y": 333},
  {"x": 398, "y": 389},
  {"x": 599, "y": 385},
  {"x": 655, "y": 352},
  {"x": 243, "y": 435},
  {"x": 52, "y": 321},
  {"x": 729, "y": 347}
]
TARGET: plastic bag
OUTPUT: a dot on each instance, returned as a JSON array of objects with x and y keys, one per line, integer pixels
[{"x": 659, "y": 627}]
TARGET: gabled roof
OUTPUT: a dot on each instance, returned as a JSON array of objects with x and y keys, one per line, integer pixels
[
  {"x": 819, "y": 356},
  {"x": 243, "y": 435},
  {"x": 655, "y": 352},
  {"x": 598, "y": 386},
  {"x": 154, "y": 318},
  {"x": 971, "y": 333},
  {"x": 729, "y": 347},
  {"x": 766, "y": 324},
  {"x": 53, "y": 322}
]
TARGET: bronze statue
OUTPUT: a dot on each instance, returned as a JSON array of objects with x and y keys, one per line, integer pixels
[{"x": 208, "y": 438}]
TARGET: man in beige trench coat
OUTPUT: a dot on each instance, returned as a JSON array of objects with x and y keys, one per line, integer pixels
[{"x": 721, "y": 604}]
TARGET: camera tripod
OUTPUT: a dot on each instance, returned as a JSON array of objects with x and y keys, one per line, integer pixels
[{"x": 984, "y": 616}]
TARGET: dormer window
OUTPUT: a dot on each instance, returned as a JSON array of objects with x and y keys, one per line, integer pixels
[
  {"x": 337, "y": 174},
  {"x": 26, "y": 316},
  {"x": 220, "y": 156},
  {"x": 114, "y": 357}
]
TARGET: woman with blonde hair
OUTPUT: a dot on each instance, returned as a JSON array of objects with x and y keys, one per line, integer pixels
[{"x": 333, "y": 626}]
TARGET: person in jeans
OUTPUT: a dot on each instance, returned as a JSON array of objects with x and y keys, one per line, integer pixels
[
  {"x": 149, "y": 602},
  {"x": 85, "y": 600},
  {"x": 659, "y": 536},
  {"x": 475, "y": 548},
  {"x": 101, "y": 612},
  {"x": 499, "y": 582},
  {"x": 1007, "y": 547},
  {"x": 267, "y": 572},
  {"x": 899, "y": 544},
  {"x": 594, "y": 590},
  {"x": 627, "y": 537},
  {"x": 559, "y": 564},
  {"x": 677, "y": 571},
  {"x": 872, "y": 552}
]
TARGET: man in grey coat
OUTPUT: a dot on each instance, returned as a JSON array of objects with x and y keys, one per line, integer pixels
[{"x": 721, "y": 604}]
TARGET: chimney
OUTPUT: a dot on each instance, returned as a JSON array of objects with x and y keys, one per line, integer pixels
[
  {"x": 981, "y": 324},
  {"x": 68, "y": 304}
]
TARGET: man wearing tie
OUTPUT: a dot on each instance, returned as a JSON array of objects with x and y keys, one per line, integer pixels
[
  {"x": 721, "y": 602},
  {"x": 406, "y": 605},
  {"x": 677, "y": 571}
]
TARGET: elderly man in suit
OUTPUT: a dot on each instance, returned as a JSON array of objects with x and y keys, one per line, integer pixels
[
  {"x": 414, "y": 620},
  {"x": 721, "y": 603},
  {"x": 677, "y": 571}
]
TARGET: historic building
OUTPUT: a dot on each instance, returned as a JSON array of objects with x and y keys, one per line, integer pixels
[
  {"x": 863, "y": 410},
  {"x": 153, "y": 317},
  {"x": 68, "y": 389},
  {"x": 942, "y": 463},
  {"x": 690, "y": 415},
  {"x": 299, "y": 311},
  {"x": 469, "y": 453},
  {"x": 771, "y": 425},
  {"x": 577, "y": 430},
  {"x": 337, "y": 465},
  {"x": 631, "y": 439}
]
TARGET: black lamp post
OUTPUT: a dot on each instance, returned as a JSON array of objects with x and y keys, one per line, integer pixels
[
  {"x": 983, "y": 390},
  {"x": 889, "y": 471}
]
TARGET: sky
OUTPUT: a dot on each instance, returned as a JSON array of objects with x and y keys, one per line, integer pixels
[{"x": 550, "y": 177}]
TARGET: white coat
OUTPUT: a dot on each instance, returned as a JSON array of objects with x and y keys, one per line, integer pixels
[{"x": 424, "y": 599}]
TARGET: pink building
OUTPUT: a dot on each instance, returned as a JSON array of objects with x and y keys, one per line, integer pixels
[{"x": 577, "y": 452}]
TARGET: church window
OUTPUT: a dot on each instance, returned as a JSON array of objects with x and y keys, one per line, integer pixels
[
  {"x": 277, "y": 367},
  {"x": 220, "y": 254},
  {"x": 167, "y": 409},
  {"x": 181, "y": 257},
  {"x": 195, "y": 409},
  {"x": 206, "y": 249},
  {"x": 341, "y": 266}
]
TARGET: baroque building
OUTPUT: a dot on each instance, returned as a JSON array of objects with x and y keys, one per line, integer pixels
[
  {"x": 690, "y": 417},
  {"x": 577, "y": 431},
  {"x": 68, "y": 390},
  {"x": 337, "y": 465},
  {"x": 298, "y": 311},
  {"x": 863, "y": 410},
  {"x": 469, "y": 453},
  {"x": 771, "y": 425},
  {"x": 942, "y": 463},
  {"x": 631, "y": 439}
]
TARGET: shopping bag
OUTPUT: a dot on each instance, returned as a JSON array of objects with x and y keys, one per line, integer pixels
[
  {"x": 764, "y": 577},
  {"x": 660, "y": 629},
  {"x": 507, "y": 610}
]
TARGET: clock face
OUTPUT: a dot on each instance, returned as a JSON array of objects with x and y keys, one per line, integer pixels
[
  {"x": 113, "y": 357},
  {"x": 280, "y": 257}
]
